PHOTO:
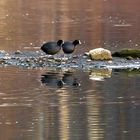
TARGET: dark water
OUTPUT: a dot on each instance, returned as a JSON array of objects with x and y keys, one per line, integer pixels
[{"x": 105, "y": 106}]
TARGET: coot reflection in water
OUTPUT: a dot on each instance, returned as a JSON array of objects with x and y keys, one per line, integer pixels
[{"x": 60, "y": 79}]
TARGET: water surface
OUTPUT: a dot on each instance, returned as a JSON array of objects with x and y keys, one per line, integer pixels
[
  {"x": 109, "y": 23},
  {"x": 34, "y": 107},
  {"x": 105, "y": 106}
]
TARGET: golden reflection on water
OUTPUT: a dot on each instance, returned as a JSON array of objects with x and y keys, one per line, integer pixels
[
  {"x": 64, "y": 115},
  {"x": 100, "y": 74},
  {"x": 95, "y": 129}
]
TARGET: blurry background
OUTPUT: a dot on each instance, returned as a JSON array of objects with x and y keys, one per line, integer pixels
[{"x": 111, "y": 24}]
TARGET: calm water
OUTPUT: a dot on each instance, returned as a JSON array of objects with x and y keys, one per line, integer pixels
[
  {"x": 34, "y": 107},
  {"x": 107, "y": 104}
]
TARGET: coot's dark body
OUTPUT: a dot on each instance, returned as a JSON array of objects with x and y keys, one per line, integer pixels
[
  {"x": 52, "y": 48},
  {"x": 69, "y": 46}
]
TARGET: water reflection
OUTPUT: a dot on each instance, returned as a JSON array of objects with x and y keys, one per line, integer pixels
[
  {"x": 35, "y": 108},
  {"x": 129, "y": 72},
  {"x": 100, "y": 74},
  {"x": 61, "y": 78},
  {"x": 69, "y": 78},
  {"x": 94, "y": 111}
]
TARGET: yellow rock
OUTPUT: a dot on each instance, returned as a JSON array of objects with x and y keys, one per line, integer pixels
[{"x": 100, "y": 54}]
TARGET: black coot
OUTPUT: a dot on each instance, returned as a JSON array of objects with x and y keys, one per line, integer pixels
[
  {"x": 52, "y": 48},
  {"x": 69, "y": 47}
]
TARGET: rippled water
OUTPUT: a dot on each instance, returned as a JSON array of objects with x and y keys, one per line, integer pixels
[{"x": 105, "y": 104}]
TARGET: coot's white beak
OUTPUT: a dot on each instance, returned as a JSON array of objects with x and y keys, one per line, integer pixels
[{"x": 80, "y": 42}]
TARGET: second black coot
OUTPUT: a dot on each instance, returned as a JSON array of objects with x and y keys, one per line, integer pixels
[
  {"x": 52, "y": 48},
  {"x": 69, "y": 46}
]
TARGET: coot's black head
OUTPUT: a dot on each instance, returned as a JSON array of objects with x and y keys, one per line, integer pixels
[
  {"x": 76, "y": 42},
  {"x": 76, "y": 83},
  {"x": 60, "y": 83},
  {"x": 60, "y": 42}
]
